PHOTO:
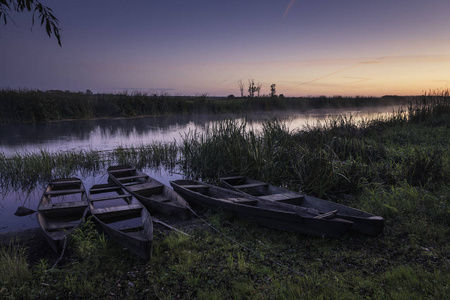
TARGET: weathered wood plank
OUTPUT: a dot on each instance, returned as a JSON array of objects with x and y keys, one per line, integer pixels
[
  {"x": 195, "y": 186},
  {"x": 110, "y": 197},
  {"x": 116, "y": 210},
  {"x": 132, "y": 177},
  {"x": 104, "y": 189},
  {"x": 250, "y": 185},
  {"x": 59, "y": 226},
  {"x": 282, "y": 197},
  {"x": 233, "y": 178},
  {"x": 160, "y": 198},
  {"x": 242, "y": 201},
  {"x": 65, "y": 182},
  {"x": 327, "y": 215},
  {"x": 145, "y": 186},
  {"x": 64, "y": 192},
  {"x": 123, "y": 170},
  {"x": 62, "y": 205}
]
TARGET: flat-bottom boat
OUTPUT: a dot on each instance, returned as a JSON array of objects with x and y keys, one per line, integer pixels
[
  {"x": 264, "y": 212},
  {"x": 363, "y": 222},
  {"x": 62, "y": 208},
  {"x": 122, "y": 217},
  {"x": 155, "y": 195}
]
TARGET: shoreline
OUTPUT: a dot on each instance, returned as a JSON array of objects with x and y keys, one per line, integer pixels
[{"x": 33, "y": 241}]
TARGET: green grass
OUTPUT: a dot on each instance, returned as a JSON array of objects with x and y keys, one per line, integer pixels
[{"x": 398, "y": 168}]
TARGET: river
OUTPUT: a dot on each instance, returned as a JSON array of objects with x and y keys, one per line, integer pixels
[{"x": 108, "y": 134}]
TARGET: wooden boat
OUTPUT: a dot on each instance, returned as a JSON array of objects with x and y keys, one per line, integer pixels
[
  {"x": 363, "y": 222},
  {"x": 266, "y": 213},
  {"x": 62, "y": 208},
  {"x": 153, "y": 194},
  {"x": 122, "y": 217}
]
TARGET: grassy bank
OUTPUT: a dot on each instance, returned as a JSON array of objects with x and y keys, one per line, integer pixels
[
  {"x": 398, "y": 167},
  {"x": 40, "y": 106}
]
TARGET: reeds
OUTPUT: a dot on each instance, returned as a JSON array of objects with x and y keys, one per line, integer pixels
[
  {"x": 45, "y": 106},
  {"x": 26, "y": 170}
]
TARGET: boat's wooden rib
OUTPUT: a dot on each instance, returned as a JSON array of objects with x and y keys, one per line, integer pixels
[
  {"x": 62, "y": 208},
  {"x": 364, "y": 223},
  {"x": 266, "y": 213},
  {"x": 128, "y": 223},
  {"x": 63, "y": 192},
  {"x": 155, "y": 196}
]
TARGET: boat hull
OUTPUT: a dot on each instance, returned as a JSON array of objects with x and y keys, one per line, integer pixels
[
  {"x": 123, "y": 218},
  {"x": 154, "y": 195},
  {"x": 62, "y": 208},
  {"x": 363, "y": 222},
  {"x": 265, "y": 213}
]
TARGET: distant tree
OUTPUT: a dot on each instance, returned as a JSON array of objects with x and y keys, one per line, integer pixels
[
  {"x": 89, "y": 92},
  {"x": 45, "y": 14},
  {"x": 258, "y": 88},
  {"x": 273, "y": 91},
  {"x": 231, "y": 96},
  {"x": 281, "y": 96},
  {"x": 241, "y": 88},
  {"x": 251, "y": 88}
]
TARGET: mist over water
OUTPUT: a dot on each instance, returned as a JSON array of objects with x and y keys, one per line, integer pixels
[{"x": 108, "y": 134}]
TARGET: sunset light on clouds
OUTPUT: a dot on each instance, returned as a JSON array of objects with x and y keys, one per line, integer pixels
[{"x": 195, "y": 47}]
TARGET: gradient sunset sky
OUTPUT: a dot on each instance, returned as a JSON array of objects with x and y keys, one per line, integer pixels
[{"x": 306, "y": 48}]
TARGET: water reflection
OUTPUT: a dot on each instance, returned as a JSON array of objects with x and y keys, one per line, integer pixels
[
  {"x": 111, "y": 133},
  {"x": 107, "y": 134}
]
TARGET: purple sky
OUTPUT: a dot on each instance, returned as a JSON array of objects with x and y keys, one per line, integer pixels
[{"x": 315, "y": 47}]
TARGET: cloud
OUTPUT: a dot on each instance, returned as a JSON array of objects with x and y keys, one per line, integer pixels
[
  {"x": 374, "y": 61},
  {"x": 288, "y": 8}
]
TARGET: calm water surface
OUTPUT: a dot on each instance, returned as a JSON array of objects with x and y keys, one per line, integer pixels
[{"x": 111, "y": 133}]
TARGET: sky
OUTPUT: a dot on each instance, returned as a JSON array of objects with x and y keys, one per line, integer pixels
[{"x": 197, "y": 47}]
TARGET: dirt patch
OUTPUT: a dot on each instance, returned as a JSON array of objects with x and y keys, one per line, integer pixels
[{"x": 33, "y": 240}]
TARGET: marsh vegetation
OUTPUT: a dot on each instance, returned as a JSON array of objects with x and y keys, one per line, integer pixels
[
  {"x": 45, "y": 106},
  {"x": 397, "y": 167}
]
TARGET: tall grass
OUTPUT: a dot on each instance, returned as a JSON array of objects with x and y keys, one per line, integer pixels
[
  {"x": 398, "y": 168},
  {"x": 14, "y": 269},
  {"x": 338, "y": 156},
  {"x": 26, "y": 170}
]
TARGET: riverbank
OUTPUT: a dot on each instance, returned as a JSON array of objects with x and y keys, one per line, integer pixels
[
  {"x": 398, "y": 168},
  {"x": 47, "y": 106}
]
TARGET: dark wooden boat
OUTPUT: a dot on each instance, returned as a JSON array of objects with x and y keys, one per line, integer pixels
[
  {"x": 153, "y": 194},
  {"x": 122, "y": 217},
  {"x": 266, "y": 213},
  {"x": 62, "y": 208},
  {"x": 363, "y": 222}
]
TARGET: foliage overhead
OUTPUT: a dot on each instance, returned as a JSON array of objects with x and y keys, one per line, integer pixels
[{"x": 45, "y": 14}]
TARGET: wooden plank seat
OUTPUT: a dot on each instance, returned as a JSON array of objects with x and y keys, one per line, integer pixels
[
  {"x": 327, "y": 215},
  {"x": 132, "y": 177},
  {"x": 242, "y": 201},
  {"x": 149, "y": 185},
  {"x": 107, "y": 212},
  {"x": 132, "y": 229},
  {"x": 62, "y": 205},
  {"x": 123, "y": 170},
  {"x": 64, "y": 192},
  {"x": 250, "y": 185},
  {"x": 111, "y": 188},
  {"x": 110, "y": 197},
  {"x": 65, "y": 182},
  {"x": 282, "y": 197}
]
